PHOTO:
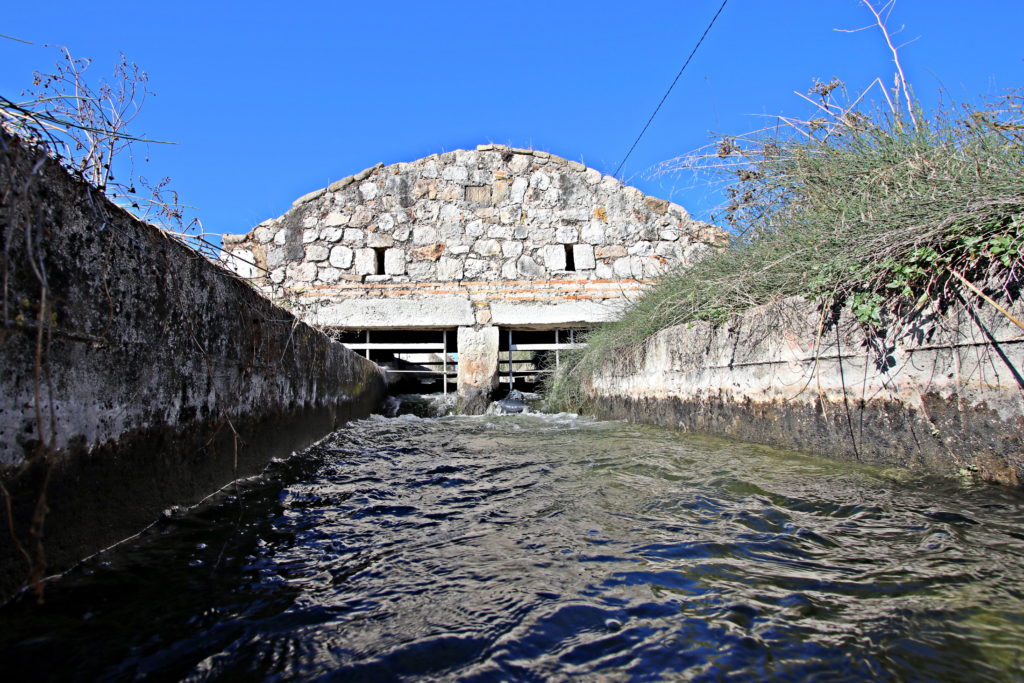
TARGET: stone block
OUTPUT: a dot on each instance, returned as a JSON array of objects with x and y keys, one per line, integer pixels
[
  {"x": 449, "y": 269},
  {"x": 478, "y": 368},
  {"x": 583, "y": 257},
  {"x": 341, "y": 257},
  {"x": 335, "y": 219},
  {"x": 520, "y": 163},
  {"x": 566, "y": 235},
  {"x": 478, "y": 193},
  {"x": 455, "y": 173},
  {"x": 263, "y": 235},
  {"x": 424, "y": 235},
  {"x": 369, "y": 190},
  {"x": 331, "y": 234},
  {"x": 394, "y": 262},
  {"x": 499, "y": 190},
  {"x": 365, "y": 262},
  {"x": 593, "y": 233},
  {"x": 518, "y": 191},
  {"x": 656, "y": 206},
  {"x": 301, "y": 272},
  {"x": 378, "y": 239},
  {"x": 511, "y": 249},
  {"x": 361, "y": 217},
  {"x": 431, "y": 252},
  {"x": 487, "y": 247},
  {"x": 328, "y": 275},
  {"x": 353, "y": 236},
  {"x": 316, "y": 252},
  {"x": 275, "y": 257},
  {"x": 554, "y": 257},
  {"x": 529, "y": 268},
  {"x": 310, "y": 235}
]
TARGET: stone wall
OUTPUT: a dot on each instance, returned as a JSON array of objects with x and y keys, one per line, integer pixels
[
  {"x": 945, "y": 396},
  {"x": 135, "y": 374},
  {"x": 491, "y": 224}
]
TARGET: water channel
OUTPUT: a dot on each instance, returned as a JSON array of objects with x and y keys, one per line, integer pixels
[{"x": 547, "y": 547}]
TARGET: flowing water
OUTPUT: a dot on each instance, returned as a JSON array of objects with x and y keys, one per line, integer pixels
[{"x": 539, "y": 547}]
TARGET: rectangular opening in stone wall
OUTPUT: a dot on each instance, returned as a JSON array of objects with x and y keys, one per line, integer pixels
[
  {"x": 526, "y": 357},
  {"x": 378, "y": 253},
  {"x": 417, "y": 361},
  {"x": 478, "y": 193},
  {"x": 570, "y": 261}
]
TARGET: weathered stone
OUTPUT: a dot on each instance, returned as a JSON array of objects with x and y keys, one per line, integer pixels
[
  {"x": 478, "y": 368},
  {"x": 341, "y": 257},
  {"x": 263, "y": 235},
  {"x": 361, "y": 217},
  {"x": 511, "y": 249},
  {"x": 655, "y": 205},
  {"x": 449, "y": 269},
  {"x": 423, "y": 235},
  {"x": 368, "y": 190},
  {"x": 478, "y": 193},
  {"x": 520, "y": 163},
  {"x": 275, "y": 257},
  {"x": 458, "y": 249},
  {"x": 331, "y": 234},
  {"x": 301, "y": 272},
  {"x": 394, "y": 261},
  {"x": 335, "y": 219},
  {"x": 593, "y": 233},
  {"x": 566, "y": 235},
  {"x": 277, "y": 276},
  {"x": 455, "y": 173},
  {"x": 385, "y": 223},
  {"x": 431, "y": 252},
  {"x": 527, "y": 267},
  {"x": 379, "y": 239},
  {"x": 310, "y": 235},
  {"x": 328, "y": 275},
  {"x": 316, "y": 252},
  {"x": 365, "y": 262},
  {"x": 518, "y": 191},
  {"x": 554, "y": 256},
  {"x": 487, "y": 247},
  {"x": 583, "y": 257},
  {"x": 425, "y": 188}
]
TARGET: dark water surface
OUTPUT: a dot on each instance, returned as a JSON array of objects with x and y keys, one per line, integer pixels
[{"x": 539, "y": 547}]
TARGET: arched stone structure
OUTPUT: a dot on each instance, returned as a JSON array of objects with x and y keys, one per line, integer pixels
[{"x": 470, "y": 240}]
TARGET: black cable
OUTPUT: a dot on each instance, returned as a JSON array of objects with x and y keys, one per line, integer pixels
[{"x": 687, "y": 63}]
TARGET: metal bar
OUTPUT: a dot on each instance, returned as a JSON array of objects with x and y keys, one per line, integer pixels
[
  {"x": 545, "y": 347},
  {"x": 410, "y": 346},
  {"x": 511, "y": 377}
]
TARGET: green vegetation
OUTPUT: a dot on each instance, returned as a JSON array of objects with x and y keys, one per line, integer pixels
[{"x": 886, "y": 211}]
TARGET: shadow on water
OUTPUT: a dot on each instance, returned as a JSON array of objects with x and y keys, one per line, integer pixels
[{"x": 537, "y": 547}]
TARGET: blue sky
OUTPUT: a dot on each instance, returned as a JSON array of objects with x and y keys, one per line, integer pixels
[{"x": 268, "y": 101}]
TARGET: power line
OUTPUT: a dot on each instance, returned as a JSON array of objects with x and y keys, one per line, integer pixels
[{"x": 665, "y": 97}]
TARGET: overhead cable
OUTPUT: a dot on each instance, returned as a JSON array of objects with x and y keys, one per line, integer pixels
[{"x": 665, "y": 97}]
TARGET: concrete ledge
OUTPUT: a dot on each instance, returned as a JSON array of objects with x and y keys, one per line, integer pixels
[
  {"x": 543, "y": 315},
  {"x": 368, "y": 314},
  {"x": 135, "y": 374}
]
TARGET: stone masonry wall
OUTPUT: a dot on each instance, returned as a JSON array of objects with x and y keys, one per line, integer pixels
[{"x": 495, "y": 214}]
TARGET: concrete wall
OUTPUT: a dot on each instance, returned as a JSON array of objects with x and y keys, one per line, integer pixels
[
  {"x": 945, "y": 396},
  {"x": 135, "y": 374}
]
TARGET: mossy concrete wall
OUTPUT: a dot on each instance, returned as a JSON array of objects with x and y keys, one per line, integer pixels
[
  {"x": 135, "y": 374},
  {"x": 944, "y": 395}
]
